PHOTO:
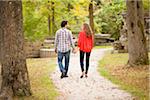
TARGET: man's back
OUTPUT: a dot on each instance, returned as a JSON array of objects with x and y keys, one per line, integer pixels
[{"x": 63, "y": 40}]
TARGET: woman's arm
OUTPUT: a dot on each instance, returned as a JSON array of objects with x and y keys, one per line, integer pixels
[
  {"x": 79, "y": 39},
  {"x": 92, "y": 40}
]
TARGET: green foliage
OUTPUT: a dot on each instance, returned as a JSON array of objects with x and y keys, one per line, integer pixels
[
  {"x": 36, "y": 13},
  {"x": 109, "y": 18},
  {"x": 34, "y": 21},
  {"x": 146, "y": 4}
]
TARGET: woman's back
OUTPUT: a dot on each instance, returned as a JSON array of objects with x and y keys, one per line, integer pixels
[{"x": 85, "y": 43}]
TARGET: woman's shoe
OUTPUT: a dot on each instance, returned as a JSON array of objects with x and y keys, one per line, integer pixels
[
  {"x": 82, "y": 75},
  {"x": 86, "y": 75}
]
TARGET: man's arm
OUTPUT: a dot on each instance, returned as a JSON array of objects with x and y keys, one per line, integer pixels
[{"x": 71, "y": 40}]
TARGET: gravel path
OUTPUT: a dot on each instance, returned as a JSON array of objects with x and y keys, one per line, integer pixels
[{"x": 95, "y": 87}]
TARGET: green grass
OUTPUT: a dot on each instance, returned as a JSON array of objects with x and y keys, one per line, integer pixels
[
  {"x": 112, "y": 61},
  {"x": 100, "y": 47},
  {"x": 41, "y": 85}
]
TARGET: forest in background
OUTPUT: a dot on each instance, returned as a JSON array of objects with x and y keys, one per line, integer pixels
[{"x": 43, "y": 17}]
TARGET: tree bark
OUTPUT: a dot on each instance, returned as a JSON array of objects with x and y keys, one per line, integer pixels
[
  {"x": 15, "y": 79},
  {"x": 69, "y": 7},
  {"x": 1, "y": 35},
  {"x": 49, "y": 19},
  {"x": 49, "y": 25},
  {"x": 91, "y": 15},
  {"x": 53, "y": 18},
  {"x": 138, "y": 53}
]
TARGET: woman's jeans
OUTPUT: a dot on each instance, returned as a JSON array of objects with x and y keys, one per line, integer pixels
[
  {"x": 82, "y": 60},
  {"x": 61, "y": 55}
]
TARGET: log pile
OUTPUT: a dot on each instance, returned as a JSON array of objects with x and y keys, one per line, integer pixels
[
  {"x": 47, "y": 49},
  {"x": 103, "y": 39},
  {"x": 38, "y": 49},
  {"x": 44, "y": 53}
]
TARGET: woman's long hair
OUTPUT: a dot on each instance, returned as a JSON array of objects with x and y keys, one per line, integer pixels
[{"x": 87, "y": 30}]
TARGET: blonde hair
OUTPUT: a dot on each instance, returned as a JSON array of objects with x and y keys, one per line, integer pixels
[{"x": 87, "y": 30}]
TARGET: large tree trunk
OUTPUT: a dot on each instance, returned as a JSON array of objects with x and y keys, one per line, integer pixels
[
  {"x": 138, "y": 53},
  {"x": 15, "y": 79},
  {"x": 0, "y": 54},
  {"x": 0, "y": 46},
  {"x": 91, "y": 15}
]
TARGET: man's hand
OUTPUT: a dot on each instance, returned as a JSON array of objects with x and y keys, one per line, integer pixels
[
  {"x": 55, "y": 50},
  {"x": 75, "y": 50}
]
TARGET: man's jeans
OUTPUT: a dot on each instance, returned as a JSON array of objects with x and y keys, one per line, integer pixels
[{"x": 61, "y": 55}]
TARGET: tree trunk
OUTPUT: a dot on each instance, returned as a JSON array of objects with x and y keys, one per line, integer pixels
[
  {"x": 1, "y": 35},
  {"x": 138, "y": 54},
  {"x": 15, "y": 79},
  {"x": 49, "y": 25},
  {"x": 91, "y": 15},
  {"x": 49, "y": 19},
  {"x": 53, "y": 18},
  {"x": 69, "y": 7}
]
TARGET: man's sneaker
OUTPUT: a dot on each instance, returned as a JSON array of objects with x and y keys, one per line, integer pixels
[
  {"x": 66, "y": 76},
  {"x": 62, "y": 75}
]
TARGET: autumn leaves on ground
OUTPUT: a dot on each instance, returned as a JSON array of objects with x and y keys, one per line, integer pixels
[
  {"x": 132, "y": 79},
  {"x": 41, "y": 83}
]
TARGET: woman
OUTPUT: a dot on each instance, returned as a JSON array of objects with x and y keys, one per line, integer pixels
[{"x": 85, "y": 44}]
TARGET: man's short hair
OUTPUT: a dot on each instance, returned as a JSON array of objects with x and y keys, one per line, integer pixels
[{"x": 64, "y": 23}]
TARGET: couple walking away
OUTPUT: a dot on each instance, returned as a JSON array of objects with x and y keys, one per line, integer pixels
[{"x": 64, "y": 42}]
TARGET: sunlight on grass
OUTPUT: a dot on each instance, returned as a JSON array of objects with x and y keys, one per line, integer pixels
[
  {"x": 41, "y": 85},
  {"x": 100, "y": 47},
  {"x": 133, "y": 80}
]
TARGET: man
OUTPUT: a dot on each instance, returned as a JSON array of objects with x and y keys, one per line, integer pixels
[{"x": 63, "y": 43}]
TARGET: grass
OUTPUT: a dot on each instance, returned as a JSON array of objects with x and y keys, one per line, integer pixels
[
  {"x": 131, "y": 79},
  {"x": 41, "y": 85},
  {"x": 100, "y": 47}
]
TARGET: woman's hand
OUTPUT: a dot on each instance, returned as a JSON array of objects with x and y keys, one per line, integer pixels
[{"x": 75, "y": 50}]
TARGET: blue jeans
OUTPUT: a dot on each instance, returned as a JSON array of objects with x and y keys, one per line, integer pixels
[{"x": 61, "y": 55}]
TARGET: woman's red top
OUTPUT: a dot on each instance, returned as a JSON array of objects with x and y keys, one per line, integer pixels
[{"x": 85, "y": 43}]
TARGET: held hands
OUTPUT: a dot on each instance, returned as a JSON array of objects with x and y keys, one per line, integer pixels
[{"x": 75, "y": 50}]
